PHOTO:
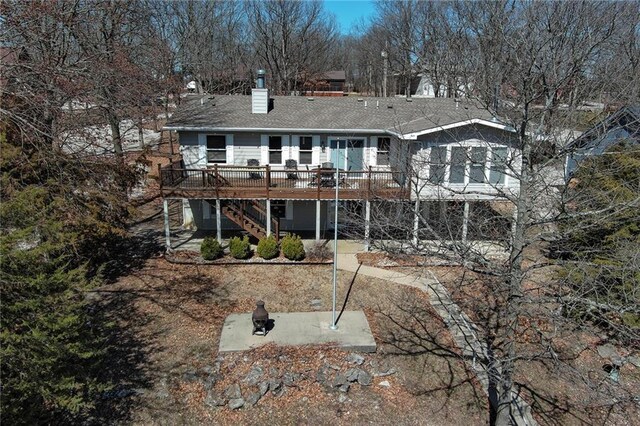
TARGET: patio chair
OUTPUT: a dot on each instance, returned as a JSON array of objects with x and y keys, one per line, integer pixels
[
  {"x": 291, "y": 166},
  {"x": 252, "y": 162}
]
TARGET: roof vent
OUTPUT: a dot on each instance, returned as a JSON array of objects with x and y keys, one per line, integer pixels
[
  {"x": 389, "y": 106},
  {"x": 409, "y": 99},
  {"x": 311, "y": 99},
  {"x": 360, "y": 99}
]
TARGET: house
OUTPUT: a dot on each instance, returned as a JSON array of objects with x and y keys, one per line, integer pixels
[
  {"x": 330, "y": 83},
  {"x": 267, "y": 165},
  {"x": 622, "y": 125}
]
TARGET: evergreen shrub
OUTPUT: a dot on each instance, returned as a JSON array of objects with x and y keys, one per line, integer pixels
[
  {"x": 292, "y": 247},
  {"x": 240, "y": 248},
  {"x": 210, "y": 249},
  {"x": 268, "y": 247}
]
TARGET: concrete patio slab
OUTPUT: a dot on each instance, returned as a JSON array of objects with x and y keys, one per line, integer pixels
[{"x": 299, "y": 328}]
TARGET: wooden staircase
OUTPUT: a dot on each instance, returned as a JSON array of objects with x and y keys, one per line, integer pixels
[{"x": 243, "y": 214}]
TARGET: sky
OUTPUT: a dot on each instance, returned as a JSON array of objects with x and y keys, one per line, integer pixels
[{"x": 350, "y": 12}]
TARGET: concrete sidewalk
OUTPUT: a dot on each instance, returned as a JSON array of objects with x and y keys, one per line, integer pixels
[{"x": 299, "y": 328}]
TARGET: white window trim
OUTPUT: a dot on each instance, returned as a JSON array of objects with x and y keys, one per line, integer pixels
[
  {"x": 487, "y": 170},
  {"x": 330, "y": 139},
  {"x": 283, "y": 150},
  {"x": 226, "y": 148},
  {"x": 299, "y": 150}
]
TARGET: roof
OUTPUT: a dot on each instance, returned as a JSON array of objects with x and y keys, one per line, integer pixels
[
  {"x": 395, "y": 116},
  {"x": 627, "y": 117},
  {"x": 334, "y": 75}
]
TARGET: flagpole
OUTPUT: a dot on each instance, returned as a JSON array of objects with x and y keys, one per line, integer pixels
[{"x": 334, "y": 326}]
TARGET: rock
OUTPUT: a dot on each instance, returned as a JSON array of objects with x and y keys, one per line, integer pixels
[
  {"x": 283, "y": 358},
  {"x": 214, "y": 400},
  {"x": 339, "y": 380},
  {"x": 381, "y": 369},
  {"x": 342, "y": 398},
  {"x": 253, "y": 399},
  {"x": 388, "y": 372},
  {"x": 236, "y": 403},
  {"x": 233, "y": 392},
  {"x": 352, "y": 374},
  {"x": 364, "y": 378},
  {"x": 273, "y": 372},
  {"x": 634, "y": 360},
  {"x": 344, "y": 388},
  {"x": 354, "y": 358},
  {"x": 333, "y": 367},
  {"x": 254, "y": 375},
  {"x": 305, "y": 399},
  {"x": 275, "y": 385},
  {"x": 209, "y": 369},
  {"x": 263, "y": 387},
  {"x": 163, "y": 391},
  {"x": 608, "y": 351},
  {"x": 190, "y": 376},
  {"x": 289, "y": 379},
  {"x": 210, "y": 381},
  {"x": 385, "y": 384},
  {"x": 281, "y": 390}
]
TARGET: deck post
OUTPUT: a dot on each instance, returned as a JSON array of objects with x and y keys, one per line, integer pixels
[
  {"x": 268, "y": 217},
  {"x": 317, "y": 220},
  {"x": 367, "y": 222},
  {"x": 416, "y": 221},
  {"x": 218, "y": 221},
  {"x": 465, "y": 221},
  {"x": 167, "y": 231}
]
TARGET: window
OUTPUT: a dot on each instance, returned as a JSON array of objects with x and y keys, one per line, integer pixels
[
  {"x": 437, "y": 164},
  {"x": 275, "y": 149},
  {"x": 498, "y": 166},
  {"x": 306, "y": 149},
  {"x": 478, "y": 163},
  {"x": 216, "y": 149},
  {"x": 383, "y": 151},
  {"x": 458, "y": 164}
]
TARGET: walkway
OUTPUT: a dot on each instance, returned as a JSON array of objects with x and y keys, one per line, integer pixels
[{"x": 462, "y": 329}]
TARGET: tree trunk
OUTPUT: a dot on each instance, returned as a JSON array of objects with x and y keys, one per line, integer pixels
[{"x": 116, "y": 137}]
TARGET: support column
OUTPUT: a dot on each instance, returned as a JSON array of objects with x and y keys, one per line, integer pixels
[
  {"x": 465, "y": 221},
  {"x": 218, "y": 221},
  {"x": 268, "y": 217},
  {"x": 317, "y": 220},
  {"x": 167, "y": 231},
  {"x": 367, "y": 224},
  {"x": 416, "y": 222}
]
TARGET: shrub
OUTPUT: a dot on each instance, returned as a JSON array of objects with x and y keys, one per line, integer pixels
[
  {"x": 268, "y": 247},
  {"x": 240, "y": 247},
  {"x": 292, "y": 247},
  {"x": 210, "y": 249}
]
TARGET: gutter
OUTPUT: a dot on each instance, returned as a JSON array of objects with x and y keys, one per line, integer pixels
[{"x": 280, "y": 130}]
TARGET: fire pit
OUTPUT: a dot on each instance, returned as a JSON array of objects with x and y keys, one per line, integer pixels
[{"x": 260, "y": 318}]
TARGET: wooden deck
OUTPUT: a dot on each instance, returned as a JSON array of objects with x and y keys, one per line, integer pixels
[{"x": 238, "y": 182}]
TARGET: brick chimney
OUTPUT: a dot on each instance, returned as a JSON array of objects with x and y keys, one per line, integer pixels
[{"x": 260, "y": 95}]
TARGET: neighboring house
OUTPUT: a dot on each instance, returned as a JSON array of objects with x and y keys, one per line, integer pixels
[
  {"x": 330, "y": 83},
  {"x": 267, "y": 164},
  {"x": 423, "y": 86},
  {"x": 622, "y": 125}
]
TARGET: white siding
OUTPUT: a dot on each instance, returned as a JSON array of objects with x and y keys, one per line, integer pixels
[{"x": 246, "y": 147}]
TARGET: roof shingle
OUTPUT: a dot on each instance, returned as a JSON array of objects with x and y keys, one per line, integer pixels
[{"x": 324, "y": 113}]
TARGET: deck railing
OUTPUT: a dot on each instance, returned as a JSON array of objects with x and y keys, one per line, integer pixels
[{"x": 265, "y": 182}]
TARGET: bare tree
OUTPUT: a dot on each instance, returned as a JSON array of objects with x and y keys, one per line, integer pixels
[
  {"x": 526, "y": 63},
  {"x": 293, "y": 39}
]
